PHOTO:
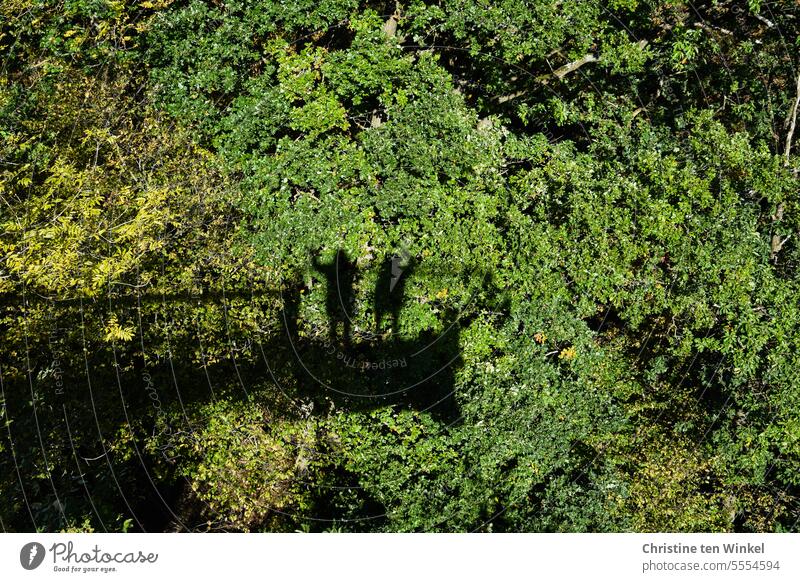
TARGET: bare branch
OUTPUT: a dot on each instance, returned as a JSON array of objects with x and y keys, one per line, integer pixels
[
  {"x": 510, "y": 96},
  {"x": 776, "y": 245},
  {"x": 769, "y": 23},
  {"x": 711, "y": 27},
  {"x": 792, "y": 123},
  {"x": 562, "y": 72}
]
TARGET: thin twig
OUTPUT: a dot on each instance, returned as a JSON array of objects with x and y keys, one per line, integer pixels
[
  {"x": 711, "y": 27},
  {"x": 793, "y": 123},
  {"x": 769, "y": 23}
]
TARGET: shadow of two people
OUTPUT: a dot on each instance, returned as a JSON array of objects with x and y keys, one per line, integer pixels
[{"x": 368, "y": 370}]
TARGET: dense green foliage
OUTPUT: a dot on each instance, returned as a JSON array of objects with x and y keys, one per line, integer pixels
[{"x": 427, "y": 266}]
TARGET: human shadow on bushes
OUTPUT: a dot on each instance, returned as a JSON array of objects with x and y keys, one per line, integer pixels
[{"x": 368, "y": 370}]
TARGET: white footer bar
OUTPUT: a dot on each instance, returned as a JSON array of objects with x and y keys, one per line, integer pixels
[{"x": 402, "y": 557}]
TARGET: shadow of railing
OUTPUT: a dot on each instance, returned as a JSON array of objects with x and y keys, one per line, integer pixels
[{"x": 70, "y": 381}]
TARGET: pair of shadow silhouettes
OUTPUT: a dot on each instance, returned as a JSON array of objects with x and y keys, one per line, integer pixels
[{"x": 368, "y": 370}]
